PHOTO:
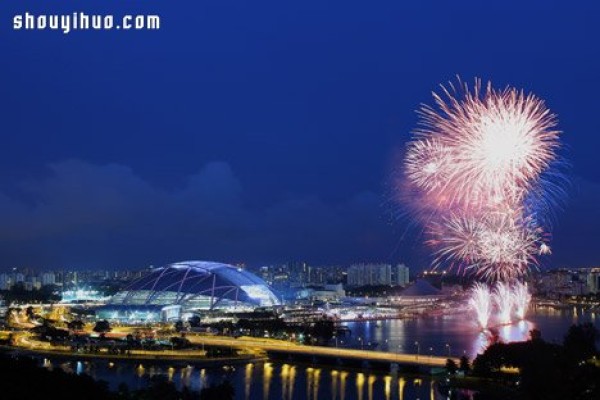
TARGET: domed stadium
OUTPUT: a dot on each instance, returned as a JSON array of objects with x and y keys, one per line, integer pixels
[{"x": 186, "y": 287}]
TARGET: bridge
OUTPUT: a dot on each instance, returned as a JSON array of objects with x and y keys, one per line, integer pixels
[{"x": 323, "y": 354}]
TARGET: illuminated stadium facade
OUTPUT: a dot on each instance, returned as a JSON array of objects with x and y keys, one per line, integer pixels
[{"x": 188, "y": 287}]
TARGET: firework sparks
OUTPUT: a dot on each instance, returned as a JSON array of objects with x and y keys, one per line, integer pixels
[
  {"x": 497, "y": 246},
  {"x": 504, "y": 301},
  {"x": 521, "y": 298},
  {"x": 481, "y": 303},
  {"x": 482, "y": 147},
  {"x": 478, "y": 166}
]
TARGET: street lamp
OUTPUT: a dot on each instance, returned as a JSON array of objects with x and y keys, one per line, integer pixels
[
  {"x": 362, "y": 345},
  {"x": 431, "y": 352},
  {"x": 448, "y": 347},
  {"x": 418, "y": 349}
]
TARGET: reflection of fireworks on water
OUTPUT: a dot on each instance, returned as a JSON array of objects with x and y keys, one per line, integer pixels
[
  {"x": 481, "y": 302},
  {"x": 521, "y": 298},
  {"x": 504, "y": 301}
]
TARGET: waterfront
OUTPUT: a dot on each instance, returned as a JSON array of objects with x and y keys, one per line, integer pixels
[
  {"x": 458, "y": 334},
  {"x": 280, "y": 380},
  {"x": 266, "y": 380}
]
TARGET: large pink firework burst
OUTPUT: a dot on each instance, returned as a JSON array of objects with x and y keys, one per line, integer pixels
[
  {"x": 495, "y": 246},
  {"x": 477, "y": 160}
]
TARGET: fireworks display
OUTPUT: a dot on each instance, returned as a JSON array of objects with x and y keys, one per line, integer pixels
[
  {"x": 521, "y": 299},
  {"x": 481, "y": 177},
  {"x": 507, "y": 300},
  {"x": 504, "y": 301},
  {"x": 478, "y": 168},
  {"x": 481, "y": 302}
]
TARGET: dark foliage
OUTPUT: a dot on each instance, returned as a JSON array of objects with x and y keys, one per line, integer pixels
[
  {"x": 547, "y": 371},
  {"x": 17, "y": 293},
  {"x": 20, "y": 373},
  {"x": 102, "y": 326}
]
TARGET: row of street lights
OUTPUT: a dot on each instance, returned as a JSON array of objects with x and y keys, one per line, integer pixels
[{"x": 417, "y": 345}]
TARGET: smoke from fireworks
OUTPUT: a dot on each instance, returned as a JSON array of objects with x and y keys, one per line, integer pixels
[
  {"x": 481, "y": 303},
  {"x": 476, "y": 167}
]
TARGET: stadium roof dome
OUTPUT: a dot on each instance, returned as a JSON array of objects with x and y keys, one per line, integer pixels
[
  {"x": 197, "y": 284},
  {"x": 420, "y": 288}
]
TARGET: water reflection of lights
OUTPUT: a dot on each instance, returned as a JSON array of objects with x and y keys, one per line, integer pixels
[
  {"x": 343, "y": 377},
  {"x": 316, "y": 378},
  {"x": 140, "y": 370},
  {"x": 202, "y": 378},
  {"x": 308, "y": 381},
  {"x": 517, "y": 332},
  {"x": 248, "y": 379},
  {"x": 387, "y": 387},
  {"x": 360, "y": 384},
  {"x": 79, "y": 368},
  {"x": 285, "y": 372},
  {"x": 267, "y": 376},
  {"x": 288, "y": 377},
  {"x": 401, "y": 386},
  {"x": 372, "y": 379},
  {"x": 185, "y": 375},
  {"x": 170, "y": 373},
  {"x": 431, "y": 391},
  {"x": 334, "y": 384},
  {"x": 292, "y": 381}
]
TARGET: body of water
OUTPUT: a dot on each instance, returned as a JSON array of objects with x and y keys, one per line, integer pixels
[
  {"x": 450, "y": 334},
  {"x": 459, "y": 334}
]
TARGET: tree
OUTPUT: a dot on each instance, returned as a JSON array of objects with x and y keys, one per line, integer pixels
[
  {"x": 535, "y": 334},
  {"x": 180, "y": 326},
  {"x": 195, "y": 321},
  {"x": 451, "y": 366},
  {"x": 323, "y": 329},
  {"x": 29, "y": 313},
  {"x": 76, "y": 325},
  {"x": 465, "y": 366},
  {"x": 102, "y": 326},
  {"x": 580, "y": 341}
]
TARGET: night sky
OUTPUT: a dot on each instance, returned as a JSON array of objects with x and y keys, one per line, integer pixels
[{"x": 265, "y": 131}]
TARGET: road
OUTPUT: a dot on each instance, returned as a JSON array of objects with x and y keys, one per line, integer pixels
[{"x": 334, "y": 352}]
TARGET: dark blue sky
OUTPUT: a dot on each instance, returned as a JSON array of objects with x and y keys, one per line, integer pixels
[{"x": 264, "y": 131}]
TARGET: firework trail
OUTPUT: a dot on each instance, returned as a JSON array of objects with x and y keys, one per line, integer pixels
[
  {"x": 504, "y": 301},
  {"x": 480, "y": 172},
  {"x": 481, "y": 303},
  {"x": 521, "y": 299}
]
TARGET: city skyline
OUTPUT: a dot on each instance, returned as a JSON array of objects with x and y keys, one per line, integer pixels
[{"x": 290, "y": 159}]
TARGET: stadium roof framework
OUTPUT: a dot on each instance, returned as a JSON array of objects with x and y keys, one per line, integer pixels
[{"x": 201, "y": 285}]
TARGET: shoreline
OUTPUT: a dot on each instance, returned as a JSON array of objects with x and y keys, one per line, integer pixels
[{"x": 134, "y": 358}]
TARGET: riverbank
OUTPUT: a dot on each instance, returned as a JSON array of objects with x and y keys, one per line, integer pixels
[{"x": 158, "y": 358}]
